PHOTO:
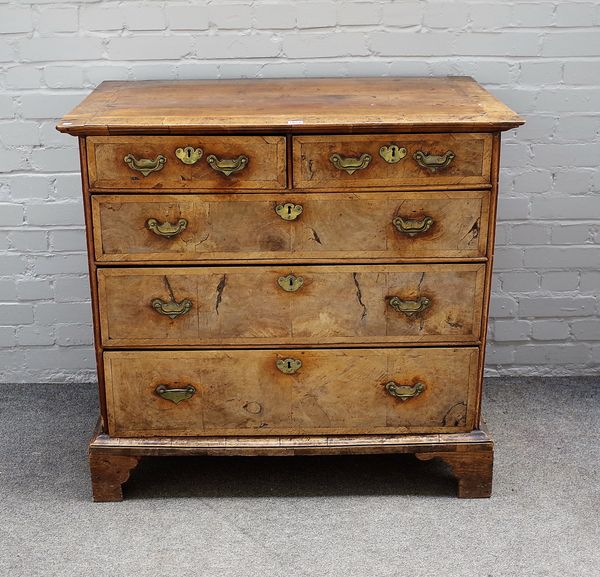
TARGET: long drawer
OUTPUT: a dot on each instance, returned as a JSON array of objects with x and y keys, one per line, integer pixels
[
  {"x": 252, "y": 392},
  {"x": 391, "y": 160},
  {"x": 181, "y": 162},
  {"x": 299, "y": 227},
  {"x": 290, "y": 305}
]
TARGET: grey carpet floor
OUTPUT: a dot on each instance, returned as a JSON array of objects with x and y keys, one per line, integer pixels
[{"x": 373, "y": 516}]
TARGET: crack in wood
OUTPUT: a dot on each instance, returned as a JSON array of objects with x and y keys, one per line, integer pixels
[
  {"x": 315, "y": 237},
  {"x": 220, "y": 289},
  {"x": 359, "y": 295},
  {"x": 169, "y": 289}
]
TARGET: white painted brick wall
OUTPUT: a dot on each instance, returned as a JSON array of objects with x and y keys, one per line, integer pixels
[{"x": 541, "y": 57}]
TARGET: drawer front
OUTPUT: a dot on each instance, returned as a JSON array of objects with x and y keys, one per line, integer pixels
[
  {"x": 340, "y": 391},
  {"x": 336, "y": 226},
  {"x": 391, "y": 160},
  {"x": 291, "y": 305},
  {"x": 182, "y": 162}
]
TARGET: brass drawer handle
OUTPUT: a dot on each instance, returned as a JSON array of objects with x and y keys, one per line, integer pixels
[
  {"x": 404, "y": 392},
  {"x": 392, "y": 153},
  {"x": 349, "y": 164},
  {"x": 172, "y": 309},
  {"x": 145, "y": 165},
  {"x": 166, "y": 229},
  {"x": 289, "y": 210},
  {"x": 432, "y": 162},
  {"x": 288, "y": 366},
  {"x": 175, "y": 395},
  {"x": 412, "y": 227},
  {"x": 227, "y": 166},
  {"x": 410, "y": 308},
  {"x": 290, "y": 283},
  {"x": 189, "y": 154}
]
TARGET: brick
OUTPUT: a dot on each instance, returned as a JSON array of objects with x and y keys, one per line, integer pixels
[
  {"x": 35, "y": 336},
  {"x": 29, "y": 240},
  {"x": 16, "y": 314},
  {"x": 552, "y": 354},
  {"x": 59, "y": 19},
  {"x": 571, "y": 234},
  {"x": 581, "y": 72},
  {"x": 556, "y": 306},
  {"x": 8, "y": 291},
  {"x": 566, "y": 207},
  {"x": 29, "y": 186},
  {"x": 11, "y": 264},
  {"x": 67, "y": 187},
  {"x": 537, "y": 128},
  {"x": 19, "y": 133},
  {"x": 568, "y": 99},
  {"x": 97, "y": 74},
  {"x": 54, "y": 159},
  {"x": 148, "y": 18},
  {"x": 516, "y": 155},
  {"x": 153, "y": 71},
  {"x": 576, "y": 127},
  {"x": 576, "y": 43},
  {"x": 560, "y": 281},
  {"x": 502, "y": 306},
  {"x": 562, "y": 257},
  {"x": 12, "y": 160},
  {"x": 188, "y": 17},
  {"x": 102, "y": 18},
  {"x": 316, "y": 14},
  {"x": 512, "y": 330},
  {"x": 11, "y": 214},
  {"x": 530, "y": 233},
  {"x": 519, "y": 43},
  {"x": 230, "y": 16},
  {"x": 72, "y": 289},
  {"x": 574, "y": 14},
  {"x": 7, "y": 108},
  {"x": 40, "y": 105},
  {"x": 586, "y": 330},
  {"x": 74, "y": 335},
  {"x": 60, "y": 359},
  {"x": 407, "y": 43},
  {"x": 68, "y": 240},
  {"x": 513, "y": 208},
  {"x": 237, "y": 46},
  {"x": 23, "y": 77},
  {"x": 54, "y": 313},
  {"x": 149, "y": 47},
  {"x": 534, "y": 181},
  {"x": 489, "y": 72},
  {"x": 571, "y": 181},
  {"x": 14, "y": 20},
  {"x": 359, "y": 14},
  {"x": 533, "y": 14},
  {"x": 590, "y": 281},
  {"x": 403, "y": 13},
  {"x": 540, "y": 73},
  {"x": 51, "y": 138},
  {"x": 550, "y": 330},
  {"x": 445, "y": 15},
  {"x": 34, "y": 290},
  {"x": 490, "y": 16},
  {"x": 8, "y": 337},
  {"x": 60, "y": 264},
  {"x": 508, "y": 258},
  {"x": 60, "y": 48},
  {"x": 325, "y": 45},
  {"x": 63, "y": 76},
  {"x": 520, "y": 281},
  {"x": 499, "y": 355},
  {"x": 193, "y": 69}
]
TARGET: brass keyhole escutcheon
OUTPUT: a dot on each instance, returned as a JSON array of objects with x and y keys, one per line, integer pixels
[
  {"x": 392, "y": 153},
  {"x": 289, "y": 210},
  {"x": 288, "y": 366},
  {"x": 290, "y": 283},
  {"x": 189, "y": 154}
]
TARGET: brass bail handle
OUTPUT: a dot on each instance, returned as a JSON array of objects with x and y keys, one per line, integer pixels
[
  {"x": 172, "y": 309},
  {"x": 412, "y": 227},
  {"x": 227, "y": 166},
  {"x": 410, "y": 307},
  {"x": 433, "y": 162},
  {"x": 145, "y": 165},
  {"x": 404, "y": 392},
  {"x": 350, "y": 164},
  {"x": 175, "y": 395},
  {"x": 166, "y": 229}
]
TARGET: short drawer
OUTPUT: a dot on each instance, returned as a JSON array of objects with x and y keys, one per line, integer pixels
[
  {"x": 391, "y": 160},
  {"x": 290, "y": 305},
  {"x": 253, "y": 392},
  {"x": 300, "y": 227},
  {"x": 182, "y": 162}
]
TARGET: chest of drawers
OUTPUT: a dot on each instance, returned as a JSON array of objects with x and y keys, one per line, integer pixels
[{"x": 290, "y": 267}]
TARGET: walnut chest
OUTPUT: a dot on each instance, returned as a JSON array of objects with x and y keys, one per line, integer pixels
[{"x": 283, "y": 267}]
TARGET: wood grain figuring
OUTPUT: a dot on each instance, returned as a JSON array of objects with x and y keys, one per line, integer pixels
[
  {"x": 109, "y": 472},
  {"x": 334, "y": 392},
  {"x": 302, "y": 105},
  {"x": 335, "y": 305},
  {"x": 333, "y": 226},
  {"x": 266, "y": 166},
  {"x": 313, "y": 167}
]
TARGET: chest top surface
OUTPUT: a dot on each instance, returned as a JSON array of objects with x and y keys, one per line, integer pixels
[{"x": 290, "y": 105}]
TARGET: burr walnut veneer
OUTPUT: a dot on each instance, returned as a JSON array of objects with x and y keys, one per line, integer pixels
[{"x": 290, "y": 267}]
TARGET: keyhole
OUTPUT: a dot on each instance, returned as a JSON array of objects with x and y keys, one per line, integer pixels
[
  {"x": 291, "y": 282},
  {"x": 394, "y": 151},
  {"x": 289, "y": 209},
  {"x": 189, "y": 152},
  {"x": 289, "y": 364}
]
